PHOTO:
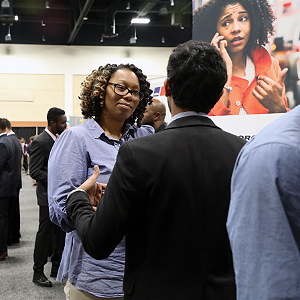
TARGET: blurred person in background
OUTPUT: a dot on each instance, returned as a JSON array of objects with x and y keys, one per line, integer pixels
[
  {"x": 14, "y": 201},
  {"x": 28, "y": 153},
  {"x": 155, "y": 115},
  {"x": 7, "y": 184},
  {"x": 47, "y": 232},
  {"x": 24, "y": 162}
]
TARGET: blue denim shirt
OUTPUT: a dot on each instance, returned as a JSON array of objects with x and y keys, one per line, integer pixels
[
  {"x": 264, "y": 216},
  {"x": 71, "y": 162}
]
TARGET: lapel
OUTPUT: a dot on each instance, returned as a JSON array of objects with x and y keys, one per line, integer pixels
[{"x": 192, "y": 121}]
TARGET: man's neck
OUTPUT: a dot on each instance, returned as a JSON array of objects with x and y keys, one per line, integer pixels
[
  {"x": 9, "y": 132},
  {"x": 51, "y": 130},
  {"x": 174, "y": 109}
]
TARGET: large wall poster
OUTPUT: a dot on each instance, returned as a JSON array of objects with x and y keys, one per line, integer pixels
[{"x": 283, "y": 45}]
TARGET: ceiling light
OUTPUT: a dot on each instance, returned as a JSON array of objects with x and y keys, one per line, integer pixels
[
  {"x": 5, "y": 3},
  {"x": 163, "y": 40},
  {"x": 140, "y": 21},
  {"x": 43, "y": 38},
  {"x": 128, "y": 5},
  {"x": 172, "y": 2},
  {"x": 47, "y": 5},
  {"x": 101, "y": 40},
  {"x": 85, "y": 18},
  {"x": 16, "y": 18},
  {"x": 133, "y": 39},
  {"x": 8, "y": 36},
  {"x": 42, "y": 23},
  {"x": 163, "y": 11}
]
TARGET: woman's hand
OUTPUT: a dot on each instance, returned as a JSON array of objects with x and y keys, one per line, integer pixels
[
  {"x": 94, "y": 189},
  {"x": 219, "y": 40},
  {"x": 269, "y": 92}
]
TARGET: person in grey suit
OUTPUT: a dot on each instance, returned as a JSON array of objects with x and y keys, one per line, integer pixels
[
  {"x": 169, "y": 193},
  {"x": 47, "y": 232},
  {"x": 7, "y": 152},
  {"x": 14, "y": 235}
]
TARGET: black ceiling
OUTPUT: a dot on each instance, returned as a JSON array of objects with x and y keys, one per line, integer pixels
[{"x": 64, "y": 22}]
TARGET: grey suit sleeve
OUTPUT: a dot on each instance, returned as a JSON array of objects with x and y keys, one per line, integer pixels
[
  {"x": 38, "y": 170},
  {"x": 102, "y": 231}
]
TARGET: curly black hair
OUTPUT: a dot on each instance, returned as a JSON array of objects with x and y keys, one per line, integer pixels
[
  {"x": 94, "y": 89},
  {"x": 261, "y": 17}
]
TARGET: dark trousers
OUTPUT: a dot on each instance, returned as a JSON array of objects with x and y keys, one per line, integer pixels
[
  {"x": 13, "y": 220},
  {"x": 3, "y": 223},
  {"x": 47, "y": 233}
]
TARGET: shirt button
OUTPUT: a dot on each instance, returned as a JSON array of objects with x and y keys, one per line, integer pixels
[{"x": 238, "y": 103}]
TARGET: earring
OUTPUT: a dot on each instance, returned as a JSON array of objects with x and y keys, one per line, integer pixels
[{"x": 101, "y": 104}]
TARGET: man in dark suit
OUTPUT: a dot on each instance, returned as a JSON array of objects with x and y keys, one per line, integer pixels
[
  {"x": 155, "y": 115},
  {"x": 7, "y": 152},
  {"x": 169, "y": 193},
  {"x": 14, "y": 203},
  {"x": 48, "y": 232}
]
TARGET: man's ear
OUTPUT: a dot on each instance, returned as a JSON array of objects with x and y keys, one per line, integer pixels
[
  {"x": 157, "y": 116},
  {"x": 167, "y": 88}
]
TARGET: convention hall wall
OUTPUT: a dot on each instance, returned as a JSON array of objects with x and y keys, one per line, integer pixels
[{"x": 34, "y": 78}]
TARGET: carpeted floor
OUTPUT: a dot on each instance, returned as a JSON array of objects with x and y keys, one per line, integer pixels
[{"x": 16, "y": 271}]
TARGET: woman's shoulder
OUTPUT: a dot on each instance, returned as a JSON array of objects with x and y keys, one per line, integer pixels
[{"x": 83, "y": 128}]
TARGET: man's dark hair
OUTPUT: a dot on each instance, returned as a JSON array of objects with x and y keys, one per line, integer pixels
[
  {"x": 7, "y": 124},
  {"x": 197, "y": 74},
  {"x": 53, "y": 114},
  {"x": 261, "y": 16},
  {"x": 2, "y": 124}
]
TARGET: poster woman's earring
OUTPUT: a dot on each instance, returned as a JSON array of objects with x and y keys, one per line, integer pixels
[{"x": 101, "y": 104}]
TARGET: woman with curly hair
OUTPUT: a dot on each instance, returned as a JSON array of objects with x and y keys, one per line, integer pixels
[
  {"x": 240, "y": 29},
  {"x": 113, "y": 100}
]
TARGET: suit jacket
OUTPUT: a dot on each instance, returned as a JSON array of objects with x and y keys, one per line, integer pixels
[
  {"x": 7, "y": 153},
  {"x": 161, "y": 127},
  {"x": 169, "y": 194},
  {"x": 17, "y": 163},
  {"x": 39, "y": 155}
]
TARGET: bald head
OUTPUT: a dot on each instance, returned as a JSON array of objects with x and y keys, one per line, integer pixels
[{"x": 155, "y": 114}]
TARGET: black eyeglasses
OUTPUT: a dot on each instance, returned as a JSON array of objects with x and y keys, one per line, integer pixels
[{"x": 122, "y": 90}]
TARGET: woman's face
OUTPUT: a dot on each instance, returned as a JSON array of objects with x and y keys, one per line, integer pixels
[
  {"x": 234, "y": 24},
  {"x": 121, "y": 107}
]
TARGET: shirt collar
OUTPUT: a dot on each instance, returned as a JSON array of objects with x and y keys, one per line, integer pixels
[
  {"x": 97, "y": 130},
  {"x": 4, "y": 133},
  {"x": 54, "y": 137},
  {"x": 187, "y": 114}
]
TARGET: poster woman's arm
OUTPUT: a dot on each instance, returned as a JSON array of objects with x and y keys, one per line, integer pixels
[{"x": 220, "y": 43}]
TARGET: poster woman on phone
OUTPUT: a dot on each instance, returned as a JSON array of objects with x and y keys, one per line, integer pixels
[{"x": 240, "y": 29}]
